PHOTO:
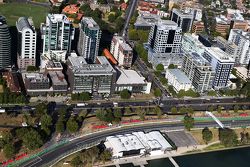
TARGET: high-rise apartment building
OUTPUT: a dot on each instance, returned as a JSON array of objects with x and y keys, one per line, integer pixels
[
  {"x": 165, "y": 37},
  {"x": 183, "y": 18},
  {"x": 26, "y": 43},
  {"x": 89, "y": 39},
  {"x": 191, "y": 43},
  {"x": 199, "y": 71},
  {"x": 57, "y": 33},
  {"x": 121, "y": 51},
  {"x": 5, "y": 44},
  {"x": 164, "y": 42},
  {"x": 221, "y": 63},
  {"x": 242, "y": 40}
]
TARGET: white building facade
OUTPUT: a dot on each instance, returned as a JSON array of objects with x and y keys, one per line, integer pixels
[{"x": 27, "y": 37}]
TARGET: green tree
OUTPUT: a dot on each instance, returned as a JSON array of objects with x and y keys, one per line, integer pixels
[
  {"x": 119, "y": 23},
  {"x": 125, "y": 94},
  {"x": 157, "y": 92},
  {"x": 228, "y": 137},
  {"x": 211, "y": 108},
  {"x": 30, "y": 137},
  {"x": 211, "y": 93},
  {"x": 106, "y": 155},
  {"x": 128, "y": 110},
  {"x": 207, "y": 135},
  {"x": 183, "y": 110},
  {"x": 190, "y": 110},
  {"x": 72, "y": 125},
  {"x": 141, "y": 113},
  {"x": 188, "y": 122},
  {"x": 117, "y": 113},
  {"x": 158, "y": 111},
  {"x": 41, "y": 109},
  {"x": 101, "y": 114},
  {"x": 172, "y": 66},
  {"x": 236, "y": 108},
  {"x": 174, "y": 110},
  {"x": 60, "y": 125},
  {"x": 160, "y": 67},
  {"x": 111, "y": 18},
  {"x": 219, "y": 109},
  {"x": 46, "y": 123},
  {"x": 133, "y": 35},
  {"x": 76, "y": 161},
  {"x": 9, "y": 150},
  {"x": 84, "y": 96}
]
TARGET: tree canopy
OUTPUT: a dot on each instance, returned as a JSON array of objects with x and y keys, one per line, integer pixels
[
  {"x": 207, "y": 135},
  {"x": 188, "y": 122},
  {"x": 125, "y": 94},
  {"x": 228, "y": 137}
]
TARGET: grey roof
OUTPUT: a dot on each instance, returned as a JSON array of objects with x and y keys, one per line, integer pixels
[
  {"x": 180, "y": 76},
  {"x": 80, "y": 66},
  {"x": 198, "y": 59},
  {"x": 90, "y": 23},
  {"x": 22, "y": 23}
]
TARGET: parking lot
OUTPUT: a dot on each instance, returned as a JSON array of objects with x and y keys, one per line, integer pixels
[{"x": 181, "y": 138}]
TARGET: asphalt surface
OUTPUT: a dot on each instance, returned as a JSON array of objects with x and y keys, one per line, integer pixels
[{"x": 50, "y": 156}]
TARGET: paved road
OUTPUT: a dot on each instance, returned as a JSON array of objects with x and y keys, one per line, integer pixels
[{"x": 44, "y": 159}]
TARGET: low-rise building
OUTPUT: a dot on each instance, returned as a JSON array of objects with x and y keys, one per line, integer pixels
[
  {"x": 93, "y": 78},
  {"x": 146, "y": 21},
  {"x": 178, "y": 80},
  {"x": 36, "y": 84},
  {"x": 132, "y": 81},
  {"x": 12, "y": 81},
  {"x": 241, "y": 72},
  {"x": 59, "y": 84},
  {"x": 137, "y": 143},
  {"x": 198, "y": 27}
]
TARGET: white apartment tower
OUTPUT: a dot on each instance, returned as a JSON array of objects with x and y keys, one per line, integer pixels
[
  {"x": 221, "y": 63},
  {"x": 242, "y": 40},
  {"x": 121, "y": 51},
  {"x": 89, "y": 39},
  {"x": 57, "y": 33},
  {"x": 26, "y": 43}
]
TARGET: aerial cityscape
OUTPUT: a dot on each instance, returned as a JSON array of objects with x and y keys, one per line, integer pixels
[{"x": 124, "y": 83}]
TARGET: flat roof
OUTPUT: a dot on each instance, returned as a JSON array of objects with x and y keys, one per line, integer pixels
[
  {"x": 129, "y": 77},
  {"x": 180, "y": 76},
  {"x": 219, "y": 54}
]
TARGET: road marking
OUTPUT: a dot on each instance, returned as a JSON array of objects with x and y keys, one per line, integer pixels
[{"x": 34, "y": 161}]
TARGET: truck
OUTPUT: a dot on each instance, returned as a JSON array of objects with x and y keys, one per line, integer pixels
[
  {"x": 2, "y": 110},
  {"x": 115, "y": 104},
  {"x": 80, "y": 104}
]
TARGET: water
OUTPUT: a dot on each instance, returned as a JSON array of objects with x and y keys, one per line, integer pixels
[{"x": 228, "y": 158}]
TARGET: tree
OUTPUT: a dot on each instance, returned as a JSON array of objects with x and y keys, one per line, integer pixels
[
  {"x": 128, "y": 110},
  {"x": 100, "y": 114},
  {"x": 172, "y": 66},
  {"x": 236, "y": 108},
  {"x": 60, "y": 125},
  {"x": 211, "y": 93},
  {"x": 190, "y": 110},
  {"x": 41, "y": 109},
  {"x": 119, "y": 23},
  {"x": 32, "y": 68},
  {"x": 76, "y": 161},
  {"x": 9, "y": 150},
  {"x": 111, "y": 18},
  {"x": 141, "y": 113},
  {"x": 133, "y": 34},
  {"x": 30, "y": 137},
  {"x": 183, "y": 110},
  {"x": 228, "y": 137},
  {"x": 174, "y": 110},
  {"x": 106, "y": 155},
  {"x": 211, "y": 108},
  {"x": 160, "y": 67},
  {"x": 117, "y": 113},
  {"x": 219, "y": 109},
  {"x": 72, "y": 125},
  {"x": 84, "y": 96},
  {"x": 188, "y": 122},
  {"x": 125, "y": 94},
  {"x": 157, "y": 92},
  {"x": 158, "y": 112},
  {"x": 207, "y": 135},
  {"x": 46, "y": 122}
]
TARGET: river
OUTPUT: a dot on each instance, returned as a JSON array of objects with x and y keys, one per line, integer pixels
[{"x": 227, "y": 158}]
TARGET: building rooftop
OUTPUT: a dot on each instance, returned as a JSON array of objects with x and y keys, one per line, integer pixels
[
  {"x": 147, "y": 20},
  {"x": 219, "y": 54},
  {"x": 198, "y": 59},
  {"x": 167, "y": 25},
  {"x": 180, "y": 76},
  {"x": 81, "y": 67},
  {"x": 90, "y": 23},
  {"x": 57, "y": 78},
  {"x": 54, "y": 18},
  {"x": 136, "y": 141},
  {"x": 25, "y": 23},
  {"x": 123, "y": 43},
  {"x": 129, "y": 77},
  {"x": 35, "y": 77}
]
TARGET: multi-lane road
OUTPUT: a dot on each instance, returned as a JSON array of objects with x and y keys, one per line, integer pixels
[{"x": 74, "y": 144}]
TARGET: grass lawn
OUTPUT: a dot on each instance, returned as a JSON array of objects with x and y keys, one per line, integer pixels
[{"x": 12, "y": 11}]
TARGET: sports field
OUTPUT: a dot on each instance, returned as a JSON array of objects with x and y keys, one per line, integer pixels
[{"x": 12, "y": 11}]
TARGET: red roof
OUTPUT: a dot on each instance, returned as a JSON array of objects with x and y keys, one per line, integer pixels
[{"x": 110, "y": 57}]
